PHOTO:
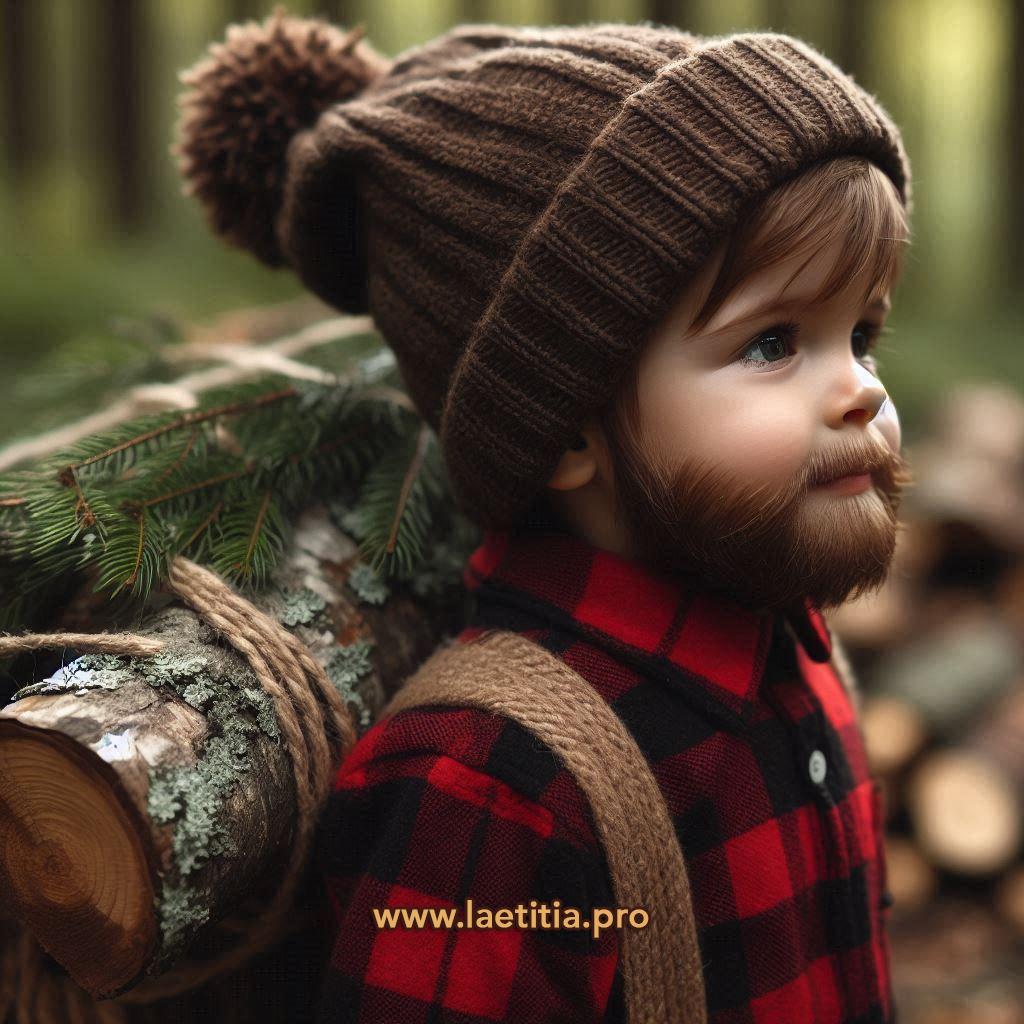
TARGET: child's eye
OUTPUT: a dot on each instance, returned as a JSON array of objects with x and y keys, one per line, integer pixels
[
  {"x": 776, "y": 344},
  {"x": 864, "y": 338},
  {"x": 771, "y": 346}
]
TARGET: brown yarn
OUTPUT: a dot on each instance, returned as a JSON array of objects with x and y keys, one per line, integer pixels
[
  {"x": 317, "y": 730},
  {"x": 269, "y": 81},
  {"x": 505, "y": 672}
]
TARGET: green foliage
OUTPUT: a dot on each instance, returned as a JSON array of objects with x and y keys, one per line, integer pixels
[
  {"x": 401, "y": 496},
  {"x": 222, "y": 484}
]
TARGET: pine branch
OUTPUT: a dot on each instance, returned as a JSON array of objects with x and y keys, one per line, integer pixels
[
  {"x": 422, "y": 439},
  {"x": 188, "y": 420},
  {"x": 257, "y": 530},
  {"x": 401, "y": 504},
  {"x": 127, "y": 501},
  {"x": 339, "y": 331}
]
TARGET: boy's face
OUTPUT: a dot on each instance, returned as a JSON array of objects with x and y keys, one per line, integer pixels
[{"x": 740, "y": 423}]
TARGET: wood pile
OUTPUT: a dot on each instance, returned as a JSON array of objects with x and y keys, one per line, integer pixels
[{"x": 939, "y": 655}]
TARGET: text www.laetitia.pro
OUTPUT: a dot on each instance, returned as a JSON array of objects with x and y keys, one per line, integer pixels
[{"x": 533, "y": 916}]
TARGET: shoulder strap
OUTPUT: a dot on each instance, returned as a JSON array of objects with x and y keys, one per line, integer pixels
[{"x": 507, "y": 673}]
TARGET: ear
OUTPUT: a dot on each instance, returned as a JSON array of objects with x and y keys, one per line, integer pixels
[{"x": 580, "y": 463}]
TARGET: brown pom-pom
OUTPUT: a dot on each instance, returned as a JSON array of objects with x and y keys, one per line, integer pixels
[{"x": 245, "y": 102}]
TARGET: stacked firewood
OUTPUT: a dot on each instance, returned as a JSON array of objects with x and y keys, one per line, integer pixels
[{"x": 939, "y": 655}]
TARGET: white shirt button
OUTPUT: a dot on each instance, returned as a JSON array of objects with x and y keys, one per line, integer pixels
[{"x": 817, "y": 766}]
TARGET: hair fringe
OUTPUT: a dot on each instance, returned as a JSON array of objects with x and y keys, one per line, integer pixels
[{"x": 845, "y": 197}]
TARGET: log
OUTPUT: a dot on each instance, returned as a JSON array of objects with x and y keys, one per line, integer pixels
[
  {"x": 142, "y": 799},
  {"x": 1009, "y": 898},
  {"x": 1010, "y": 597},
  {"x": 877, "y": 620},
  {"x": 911, "y": 879},
  {"x": 951, "y": 946},
  {"x": 886, "y": 617},
  {"x": 967, "y": 801},
  {"x": 894, "y": 731},
  {"x": 950, "y": 674},
  {"x": 958, "y": 486},
  {"x": 985, "y": 420}
]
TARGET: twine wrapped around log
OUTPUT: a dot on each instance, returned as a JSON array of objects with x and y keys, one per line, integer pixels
[{"x": 317, "y": 730}]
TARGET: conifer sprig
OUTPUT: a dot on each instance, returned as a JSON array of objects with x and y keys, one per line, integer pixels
[{"x": 222, "y": 484}]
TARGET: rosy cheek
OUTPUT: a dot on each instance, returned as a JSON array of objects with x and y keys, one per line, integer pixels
[
  {"x": 773, "y": 462},
  {"x": 758, "y": 444},
  {"x": 757, "y": 440}
]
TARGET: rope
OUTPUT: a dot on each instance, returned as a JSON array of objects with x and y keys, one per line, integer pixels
[
  {"x": 94, "y": 643},
  {"x": 315, "y": 724}
]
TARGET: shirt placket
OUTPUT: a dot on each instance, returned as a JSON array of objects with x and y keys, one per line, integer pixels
[{"x": 826, "y": 779}]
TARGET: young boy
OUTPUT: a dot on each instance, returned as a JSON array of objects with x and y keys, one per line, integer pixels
[{"x": 634, "y": 278}]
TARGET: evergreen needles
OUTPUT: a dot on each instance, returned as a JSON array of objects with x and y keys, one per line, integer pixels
[{"x": 222, "y": 484}]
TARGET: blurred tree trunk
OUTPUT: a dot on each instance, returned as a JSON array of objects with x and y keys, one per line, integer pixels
[
  {"x": 19, "y": 24},
  {"x": 474, "y": 11},
  {"x": 679, "y": 13},
  {"x": 776, "y": 15},
  {"x": 1015, "y": 142},
  {"x": 853, "y": 45},
  {"x": 120, "y": 41},
  {"x": 245, "y": 10},
  {"x": 571, "y": 12}
]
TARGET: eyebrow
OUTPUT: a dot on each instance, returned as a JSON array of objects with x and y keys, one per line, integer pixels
[{"x": 880, "y": 305}]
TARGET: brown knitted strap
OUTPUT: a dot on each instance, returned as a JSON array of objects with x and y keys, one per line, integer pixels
[{"x": 507, "y": 673}]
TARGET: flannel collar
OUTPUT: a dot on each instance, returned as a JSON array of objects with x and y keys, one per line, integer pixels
[{"x": 664, "y": 628}]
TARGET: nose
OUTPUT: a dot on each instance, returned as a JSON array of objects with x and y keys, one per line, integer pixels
[{"x": 860, "y": 398}]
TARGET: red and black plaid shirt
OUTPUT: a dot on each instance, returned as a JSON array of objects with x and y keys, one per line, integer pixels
[{"x": 754, "y": 744}]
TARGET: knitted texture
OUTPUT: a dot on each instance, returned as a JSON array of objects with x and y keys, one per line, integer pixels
[
  {"x": 508, "y": 674},
  {"x": 523, "y": 204}
]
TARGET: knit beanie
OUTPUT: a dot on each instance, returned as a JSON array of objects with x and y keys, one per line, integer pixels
[{"x": 515, "y": 207}]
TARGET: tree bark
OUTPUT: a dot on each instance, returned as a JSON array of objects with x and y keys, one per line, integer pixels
[
  {"x": 123, "y": 50},
  {"x": 24, "y": 127},
  {"x": 1015, "y": 155},
  {"x": 142, "y": 799}
]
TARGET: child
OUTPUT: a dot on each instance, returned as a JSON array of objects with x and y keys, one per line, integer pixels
[{"x": 633, "y": 277}]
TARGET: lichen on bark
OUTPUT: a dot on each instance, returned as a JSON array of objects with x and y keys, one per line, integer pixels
[{"x": 193, "y": 797}]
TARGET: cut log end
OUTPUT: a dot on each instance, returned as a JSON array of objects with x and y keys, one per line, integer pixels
[
  {"x": 912, "y": 880},
  {"x": 73, "y": 867},
  {"x": 894, "y": 731},
  {"x": 967, "y": 813}
]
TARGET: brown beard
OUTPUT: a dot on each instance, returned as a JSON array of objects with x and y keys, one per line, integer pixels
[{"x": 766, "y": 551}]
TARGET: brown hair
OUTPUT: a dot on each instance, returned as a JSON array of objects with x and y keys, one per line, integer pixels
[{"x": 847, "y": 197}]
